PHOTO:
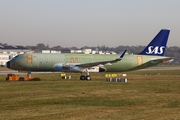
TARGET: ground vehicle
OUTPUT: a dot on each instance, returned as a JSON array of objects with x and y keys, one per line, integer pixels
[{"x": 13, "y": 77}]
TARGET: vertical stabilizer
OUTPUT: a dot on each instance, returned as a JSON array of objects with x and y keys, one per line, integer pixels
[{"x": 158, "y": 45}]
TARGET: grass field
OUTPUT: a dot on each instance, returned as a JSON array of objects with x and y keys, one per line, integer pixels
[{"x": 148, "y": 95}]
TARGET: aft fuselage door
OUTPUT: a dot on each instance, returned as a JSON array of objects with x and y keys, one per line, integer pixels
[{"x": 139, "y": 60}]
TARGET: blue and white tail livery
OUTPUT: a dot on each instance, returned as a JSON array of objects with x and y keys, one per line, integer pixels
[{"x": 158, "y": 45}]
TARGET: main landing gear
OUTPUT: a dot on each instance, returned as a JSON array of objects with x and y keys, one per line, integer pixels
[
  {"x": 87, "y": 77},
  {"x": 29, "y": 74},
  {"x": 83, "y": 77}
]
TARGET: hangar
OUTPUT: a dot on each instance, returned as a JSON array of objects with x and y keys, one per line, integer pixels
[{"x": 9, "y": 51}]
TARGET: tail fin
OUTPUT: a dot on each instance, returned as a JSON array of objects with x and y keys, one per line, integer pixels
[{"x": 158, "y": 45}]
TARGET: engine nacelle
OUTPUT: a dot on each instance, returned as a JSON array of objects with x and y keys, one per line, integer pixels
[
  {"x": 67, "y": 68},
  {"x": 96, "y": 69}
]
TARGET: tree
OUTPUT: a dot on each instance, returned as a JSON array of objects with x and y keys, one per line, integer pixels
[
  {"x": 41, "y": 46},
  {"x": 47, "y": 46}
]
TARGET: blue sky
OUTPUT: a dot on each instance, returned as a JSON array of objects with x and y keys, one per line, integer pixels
[{"x": 88, "y": 22}]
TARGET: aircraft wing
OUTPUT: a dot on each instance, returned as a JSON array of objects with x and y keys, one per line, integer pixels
[{"x": 100, "y": 63}]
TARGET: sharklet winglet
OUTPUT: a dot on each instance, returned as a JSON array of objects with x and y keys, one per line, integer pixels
[{"x": 121, "y": 56}]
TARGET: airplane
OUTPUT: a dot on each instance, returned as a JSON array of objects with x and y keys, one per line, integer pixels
[{"x": 152, "y": 55}]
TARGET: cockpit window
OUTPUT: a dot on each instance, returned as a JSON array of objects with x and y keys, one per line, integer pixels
[{"x": 16, "y": 58}]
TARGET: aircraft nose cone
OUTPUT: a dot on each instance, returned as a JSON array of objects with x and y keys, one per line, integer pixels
[{"x": 8, "y": 64}]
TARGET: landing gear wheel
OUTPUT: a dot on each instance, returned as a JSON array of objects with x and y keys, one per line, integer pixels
[
  {"x": 21, "y": 79},
  {"x": 88, "y": 77},
  {"x": 82, "y": 77}
]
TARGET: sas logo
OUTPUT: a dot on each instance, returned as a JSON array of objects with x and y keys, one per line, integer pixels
[{"x": 155, "y": 50}]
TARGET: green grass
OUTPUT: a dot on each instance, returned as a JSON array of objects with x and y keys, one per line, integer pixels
[{"x": 147, "y": 95}]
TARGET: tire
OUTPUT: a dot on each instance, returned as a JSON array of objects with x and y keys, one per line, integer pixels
[
  {"x": 21, "y": 79},
  {"x": 88, "y": 77},
  {"x": 82, "y": 77}
]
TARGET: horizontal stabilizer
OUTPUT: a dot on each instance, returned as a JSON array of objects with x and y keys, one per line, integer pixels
[{"x": 162, "y": 60}]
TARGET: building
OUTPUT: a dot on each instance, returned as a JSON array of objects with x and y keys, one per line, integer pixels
[
  {"x": 9, "y": 51},
  {"x": 50, "y": 51}
]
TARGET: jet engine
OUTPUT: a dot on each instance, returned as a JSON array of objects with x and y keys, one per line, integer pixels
[{"x": 96, "y": 69}]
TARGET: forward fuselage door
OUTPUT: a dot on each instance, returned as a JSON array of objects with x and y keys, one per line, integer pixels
[{"x": 30, "y": 59}]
